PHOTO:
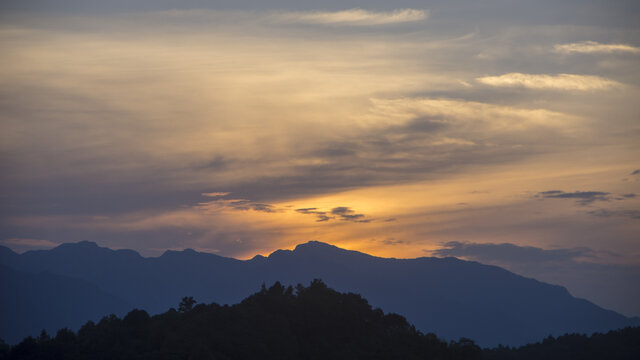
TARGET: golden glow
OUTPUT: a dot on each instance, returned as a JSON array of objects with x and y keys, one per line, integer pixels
[{"x": 399, "y": 129}]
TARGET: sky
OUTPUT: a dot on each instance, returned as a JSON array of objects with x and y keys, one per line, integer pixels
[{"x": 506, "y": 132}]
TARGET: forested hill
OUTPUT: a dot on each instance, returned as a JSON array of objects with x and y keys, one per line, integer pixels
[
  {"x": 313, "y": 322},
  {"x": 623, "y": 344}
]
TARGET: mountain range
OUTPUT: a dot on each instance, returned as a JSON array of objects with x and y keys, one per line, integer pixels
[{"x": 453, "y": 298}]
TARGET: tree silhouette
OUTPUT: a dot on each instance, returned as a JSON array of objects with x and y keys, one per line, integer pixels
[
  {"x": 186, "y": 304},
  {"x": 313, "y": 322}
]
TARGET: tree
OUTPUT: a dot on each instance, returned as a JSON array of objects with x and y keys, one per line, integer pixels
[{"x": 186, "y": 304}]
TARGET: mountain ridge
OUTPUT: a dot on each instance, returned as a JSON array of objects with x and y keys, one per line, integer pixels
[{"x": 448, "y": 296}]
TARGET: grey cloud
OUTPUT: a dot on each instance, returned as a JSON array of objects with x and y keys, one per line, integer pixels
[
  {"x": 422, "y": 125},
  {"x": 336, "y": 150},
  {"x": 320, "y": 215},
  {"x": 509, "y": 252},
  {"x": 380, "y": 156},
  {"x": 340, "y": 212},
  {"x": 392, "y": 241},
  {"x": 626, "y": 196},
  {"x": 250, "y": 205},
  {"x": 636, "y": 172},
  {"x": 217, "y": 163},
  {"x": 345, "y": 213},
  {"x": 618, "y": 13},
  {"x": 581, "y": 197},
  {"x": 220, "y": 199},
  {"x": 633, "y": 214}
]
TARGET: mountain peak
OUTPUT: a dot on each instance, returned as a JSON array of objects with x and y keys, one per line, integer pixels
[
  {"x": 89, "y": 247},
  {"x": 318, "y": 248},
  {"x": 7, "y": 251},
  {"x": 312, "y": 248},
  {"x": 84, "y": 245},
  {"x": 313, "y": 244}
]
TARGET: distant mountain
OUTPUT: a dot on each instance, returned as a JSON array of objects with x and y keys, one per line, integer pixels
[
  {"x": 450, "y": 297},
  {"x": 30, "y": 303}
]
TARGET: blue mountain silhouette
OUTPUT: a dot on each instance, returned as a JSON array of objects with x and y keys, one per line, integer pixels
[{"x": 450, "y": 297}]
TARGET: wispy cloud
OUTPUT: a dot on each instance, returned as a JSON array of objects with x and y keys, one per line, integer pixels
[
  {"x": 215, "y": 194},
  {"x": 581, "y": 197},
  {"x": 509, "y": 252},
  {"x": 341, "y": 212},
  {"x": 462, "y": 113},
  {"x": 546, "y": 81},
  {"x": 27, "y": 244},
  {"x": 320, "y": 215},
  {"x": 346, "y": 214},
  {"x": 219, "y": 203},
  {"x": 633, "y": 214},
  {"x": 594, "y": 47},
  {"x": 353, "y": 17}
]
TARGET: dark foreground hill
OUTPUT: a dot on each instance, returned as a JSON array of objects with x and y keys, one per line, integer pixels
[
  {"x": 447, "y": 296},
  {"x": 312, "y": 322},
  {"x": 623, "y": 344}
]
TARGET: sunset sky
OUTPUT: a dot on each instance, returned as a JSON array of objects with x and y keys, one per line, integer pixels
[{"x": 506, "y": 132}]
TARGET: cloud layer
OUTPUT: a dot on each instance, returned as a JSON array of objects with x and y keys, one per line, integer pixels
[
  {"x": 353, "y": 17},
  {"x": 581, "y": 197},
  {"x": 589, "y": 47},
  {"x": 545, "y": 81}
]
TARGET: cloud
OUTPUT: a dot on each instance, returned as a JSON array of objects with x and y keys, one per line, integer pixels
[
  {"x": 590, "y": 47},
  {"x": 445, "y": 115},
  {"x": 215, "y": 194},
  {"x": 218, "y": 203},
  {"x": 581, "y": 197},
  {"x": 553, "y": 82},
  {"x": 346, "y": 214},
  {"x": 632, "y": 214},
  {"x": 20, "y": 244},
  {"x": 321, "y": 215},
  {"x": 635, "y": 172},
  {"x": 341, "y": 212},
  {"x": 249, "y": 205},
  {"x": 626, "y": 196},
  {"x": 352, "y": 17},
  {"x": 511, "y": 253},
  {"x": 392, "y": 241}
]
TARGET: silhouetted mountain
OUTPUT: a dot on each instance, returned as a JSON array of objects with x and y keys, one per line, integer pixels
[
  {"x": 312, "y": 322},
  {"x": 30, "y": 303},
  {"x": 621, "y": 344},
  {"x": 448, "y": 296}
]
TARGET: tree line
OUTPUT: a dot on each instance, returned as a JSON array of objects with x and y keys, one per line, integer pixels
[{"x": 312, "y": 322}]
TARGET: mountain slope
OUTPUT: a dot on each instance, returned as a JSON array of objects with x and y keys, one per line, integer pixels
[
  {"x": 32, "y": 302},
  {"x": 447, "y": 296}
]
